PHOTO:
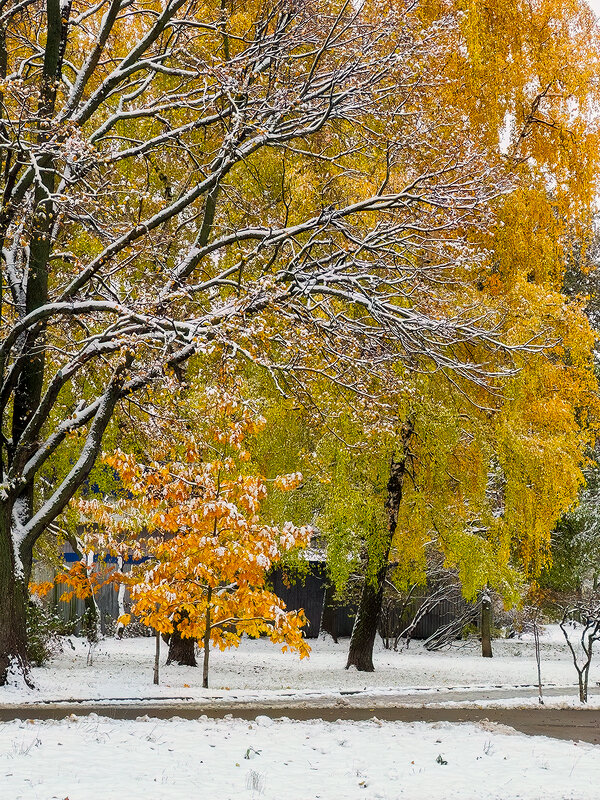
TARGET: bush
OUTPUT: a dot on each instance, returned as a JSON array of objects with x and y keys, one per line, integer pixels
[{"x": 44, "y": 629}]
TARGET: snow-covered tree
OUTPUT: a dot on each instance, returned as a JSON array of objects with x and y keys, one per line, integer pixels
[
  {"x": 285, "y": 181},
  {"x": 181, "y": 176}
]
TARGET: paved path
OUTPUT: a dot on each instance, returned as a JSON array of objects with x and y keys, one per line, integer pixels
[{"x": 575, "y": 724}]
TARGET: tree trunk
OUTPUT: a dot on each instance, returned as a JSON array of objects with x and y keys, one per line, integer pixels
[
  {"x": 362, "y": 641},
  {"x": 156, "y": 657},
  {"x": 14, "y": 594},
  {"x": 360, "y": 654},
  {"x": 486, "y": 626},
  {"x": 582, "y": 688},
  {"x": 206, "y": 641},
  {"x": 16, "y": 559},
  {"x": 182, "y": 650}
]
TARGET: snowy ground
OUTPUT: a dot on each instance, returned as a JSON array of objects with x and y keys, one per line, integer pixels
[
  {"x": 258, "y": 671},
  {"x": 84, "y": 758},
  {"x": 92, "y": 758}
]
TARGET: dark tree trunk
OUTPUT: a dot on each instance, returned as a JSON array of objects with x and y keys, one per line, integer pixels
[
  {"x": 182, "y": 650},
  {"x": 486, "y": 626},
  {"x": 15, "y": 560},
  {"x": 14, "y": 579},
  {"x": 360, "y": 654}
]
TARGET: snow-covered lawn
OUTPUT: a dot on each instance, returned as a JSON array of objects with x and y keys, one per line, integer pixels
[
  {"x": 84, "y": 758},
  {"x": 94, "y": 758},
  {"x": 258, "y": 670}
]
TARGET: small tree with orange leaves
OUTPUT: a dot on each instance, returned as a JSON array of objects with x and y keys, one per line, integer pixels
[{"x": 206, "y": 551}]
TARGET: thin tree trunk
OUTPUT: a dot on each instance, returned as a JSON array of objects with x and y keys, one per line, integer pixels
[
  {"x": 582, "y": 694},
  {"x": 486, "y": 626},
  {"x": 362, "y": 641},
  {"x": 206, "y": 641},
  {"x": 156, "y": 657},
  {"x": 538, "y": 659},
  {"x": 120, "y": 602}
]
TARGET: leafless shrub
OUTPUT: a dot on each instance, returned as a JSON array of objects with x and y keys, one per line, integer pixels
[{"x": 580, "y": 625}]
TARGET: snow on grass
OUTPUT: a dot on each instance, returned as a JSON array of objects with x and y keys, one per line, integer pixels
[
  {"x": 147, "y": 759},
  {"x": 257, "y": 670},
  {"x": 549, "y": 701},
  {"x": 93, "y": 757}
]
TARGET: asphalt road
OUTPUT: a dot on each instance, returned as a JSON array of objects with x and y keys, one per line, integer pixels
[{"x": 570, "y": 724}]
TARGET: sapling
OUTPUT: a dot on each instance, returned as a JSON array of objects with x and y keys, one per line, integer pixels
[
  {"x": 589, "y": 618},
  {"x": 536, "y": 641}
]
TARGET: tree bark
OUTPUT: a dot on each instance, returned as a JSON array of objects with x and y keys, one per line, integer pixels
[
  {"x": 206, "y": 641},
  {"x": 156, "y": 657},
  {"x": 182, "y": 650},
  {"x": 14, "y": 580},
  {"x": 486, "y": 626},
  {"x": 362, "y": 641},
  {"x": 16, "y": 559}
]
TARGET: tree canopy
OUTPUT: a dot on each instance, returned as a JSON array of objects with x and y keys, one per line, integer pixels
[{"x": 331, "y": 193}]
